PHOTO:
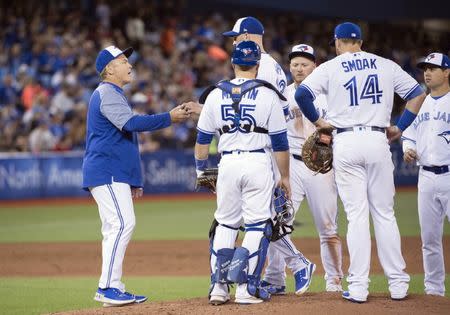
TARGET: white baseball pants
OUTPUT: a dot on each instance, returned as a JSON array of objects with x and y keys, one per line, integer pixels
[
  {"x": 115, "y": 206},
  {"x": 434, "y": 205}
]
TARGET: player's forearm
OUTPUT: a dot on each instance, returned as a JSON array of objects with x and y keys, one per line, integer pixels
[
  {"x": 201, "y": 151},
  {"x": 147, "y": 122},
  {"x": 414, "y": 105},
  {"x": 305, "y": 101},
  {"x": 282, "y": 159}
]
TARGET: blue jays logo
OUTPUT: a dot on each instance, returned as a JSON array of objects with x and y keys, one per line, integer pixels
[
  {"x": 446, "y": 136},
  {"x": 303, "y": 48},
  {"x": 430, "y": 56},
  {"x": 246, "y": 51}
]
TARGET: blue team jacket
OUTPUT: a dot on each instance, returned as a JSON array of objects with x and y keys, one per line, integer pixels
[{"x": 111, "y": 154}]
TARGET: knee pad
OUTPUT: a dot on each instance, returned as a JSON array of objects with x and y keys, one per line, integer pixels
[
  {"x": 224, "y": 258},
  {"x": 238, "y": 270}
]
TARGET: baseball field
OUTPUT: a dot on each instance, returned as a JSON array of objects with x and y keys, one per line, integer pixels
[{"x": 50, "y": 257}]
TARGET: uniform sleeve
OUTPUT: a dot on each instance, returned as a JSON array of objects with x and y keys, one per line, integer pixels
[
  {"x": 206, "y": 120},
  {"x": 277, "y": 120},
  {"x": 115, "y": 109},
  {"x": 317, "y": 82},
  {"x": 409, "y": 137},
  {"x": 405, "y": 85}
]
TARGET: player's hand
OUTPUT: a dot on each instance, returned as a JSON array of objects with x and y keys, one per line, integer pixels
[
  {"x": 137, "y": 192},
  {"x": 393, "y": 133},
  {"x": 285, "y": 184},
  {"x": 323, "y": 124},
  {"x": 179, "y": 113},
  {"x": 194, "y": 108},
  {"x": 410, "y": 156}
]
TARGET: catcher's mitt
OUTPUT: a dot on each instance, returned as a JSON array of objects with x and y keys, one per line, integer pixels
[
  {"x": 317, "y": 152},
  {"x": 207, "y": 179}
]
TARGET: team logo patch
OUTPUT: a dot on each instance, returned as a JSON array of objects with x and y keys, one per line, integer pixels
[
  {"x": 430, "y": 57},
  {"x": 446, "y": 136},
  {"x": 303, "y": 48},
  {"x": 236, "y": 90},
  {"x": 246, "y": 51}
]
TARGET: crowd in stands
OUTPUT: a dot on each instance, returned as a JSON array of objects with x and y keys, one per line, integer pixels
[{"x": 48, "y": 51}]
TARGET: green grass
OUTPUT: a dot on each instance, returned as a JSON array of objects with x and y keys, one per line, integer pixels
[
  {"x": 159, "y": 220},
  {"x": 44, "y": 295}
]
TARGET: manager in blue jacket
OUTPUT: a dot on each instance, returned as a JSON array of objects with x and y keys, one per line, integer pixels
[{"x": 112, "y": 167}]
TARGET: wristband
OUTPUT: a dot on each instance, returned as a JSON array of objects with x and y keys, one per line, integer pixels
[
  {"x": 406, "y": 119},
  {"x": 201, "y": 164}
]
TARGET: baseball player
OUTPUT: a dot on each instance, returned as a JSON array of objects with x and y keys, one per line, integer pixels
[
  {"x": 112, "y": 167},
  {"x": 319, "y": 190},
  {"x": 360, "y": 88},
  {"x": 427, "y": 141},
  {"x": 248, "y": 115}
]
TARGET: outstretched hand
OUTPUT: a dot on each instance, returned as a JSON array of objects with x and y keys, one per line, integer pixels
[{"x": 179, "y": 113}]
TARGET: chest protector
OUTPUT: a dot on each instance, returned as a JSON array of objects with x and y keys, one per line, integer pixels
[{"x": 236, "y": 92}]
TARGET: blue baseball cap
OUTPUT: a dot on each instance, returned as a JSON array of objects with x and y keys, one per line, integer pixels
[
  {"x": 247, "y": 24},
  {"x": 109, "y": 54},
  {"x": 302, "y": 50},
  {"x": 246, "y": 53},
  {"x": 346, "y": 30},
  {"x": 435, "y": 59}
]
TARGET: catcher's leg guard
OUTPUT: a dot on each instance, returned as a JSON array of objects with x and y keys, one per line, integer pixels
[
  {"x": 222, "y": 240},
  {"x": 246, "y": 267}
]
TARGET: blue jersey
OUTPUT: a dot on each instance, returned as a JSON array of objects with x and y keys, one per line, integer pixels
[{"x": 111, "y": 153}]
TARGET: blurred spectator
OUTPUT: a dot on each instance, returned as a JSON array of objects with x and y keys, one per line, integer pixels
[{"x": 41, "y": 139}]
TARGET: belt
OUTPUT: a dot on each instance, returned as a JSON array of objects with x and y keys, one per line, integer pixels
[
  {"x": 297, "y": 157},
  {"x": 356, "y": 128},
  {"x": 243, "y": 151},
  {"x": 437, "y": 169}
]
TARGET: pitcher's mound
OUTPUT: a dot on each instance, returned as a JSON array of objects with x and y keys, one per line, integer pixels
[{"x": 309, "y": 303}]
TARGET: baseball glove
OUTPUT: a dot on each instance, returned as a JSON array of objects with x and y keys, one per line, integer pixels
[
  {"x": 317, "y": 152},
  {"x": 207, "y": 179}
]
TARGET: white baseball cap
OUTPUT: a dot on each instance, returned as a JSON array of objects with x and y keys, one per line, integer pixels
[
  {"x": 436, "y": 59},
  {"x": 304, "y": 51}
]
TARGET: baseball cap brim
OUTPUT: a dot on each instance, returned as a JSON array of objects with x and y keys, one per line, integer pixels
[
  {"x": 301, "y": 54},
  {"x": 421, "y": 65},
  {"x": 128, "y": 51},
  {"x": 230, "y": 34}
]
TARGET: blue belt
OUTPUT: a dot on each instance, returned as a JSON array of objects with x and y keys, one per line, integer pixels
[
  {"x": 297, "y": 157},
  {"x": 243, "y": 151},
  {"x": 436, "y": 169},
  {"x": 356, "y": 128}
]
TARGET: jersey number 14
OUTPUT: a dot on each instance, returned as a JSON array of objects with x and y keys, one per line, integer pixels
[{"x": 371, "y": 90}]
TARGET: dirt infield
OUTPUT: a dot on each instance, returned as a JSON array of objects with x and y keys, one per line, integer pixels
[
  {"x": 153, "y": 258},
  {"x": 184, "y": 258},
  {"x": 310, "y": 303}
]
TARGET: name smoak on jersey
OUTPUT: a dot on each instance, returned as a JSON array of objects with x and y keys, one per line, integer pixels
[
  {"x": 359, "y": 64},
  {"x": 444, "y": 116}
]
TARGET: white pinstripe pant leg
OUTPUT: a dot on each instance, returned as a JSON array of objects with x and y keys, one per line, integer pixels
[{"x": 115, "y": 206}]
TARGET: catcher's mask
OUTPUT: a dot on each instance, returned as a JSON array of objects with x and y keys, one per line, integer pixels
[{"x": 283, "y": 206}]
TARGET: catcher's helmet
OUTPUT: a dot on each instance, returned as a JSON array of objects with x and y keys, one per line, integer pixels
[{"x": 246, "y": 53}]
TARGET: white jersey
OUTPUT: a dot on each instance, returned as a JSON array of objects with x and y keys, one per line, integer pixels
[
  {"x": 269, "y": 70},
  {"x": 429, "y": 134},
  {"x": 298, "y": 126},
  {"x": 260, "y": 107},
  {"x": 360, "y": 88}
]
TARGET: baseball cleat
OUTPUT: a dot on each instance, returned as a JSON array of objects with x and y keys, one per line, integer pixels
[
  {"x": 347, "y": 296},
  {"x": 273, "y": 289},
  {"x": 114, "y": 297},
  {"x": 303, "y": 279},
  {"x": 138, "y": 299},
  {"x": 243, "y": 297},
  {"x": 399, "y": 297},
  {"x": 220, "y": 294}
]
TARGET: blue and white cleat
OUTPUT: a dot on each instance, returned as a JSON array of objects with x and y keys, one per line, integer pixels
[
  {"x": 114, "y": 296},
  {"x": 303, "y": 278},
  {"x": 138, "y": 299},
  {"x": 347, "y": 296},
  {"x": 273, "y": 289}
]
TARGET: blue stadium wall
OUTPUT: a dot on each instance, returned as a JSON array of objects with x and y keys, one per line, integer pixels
[{"x": 27, "y": 176}]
